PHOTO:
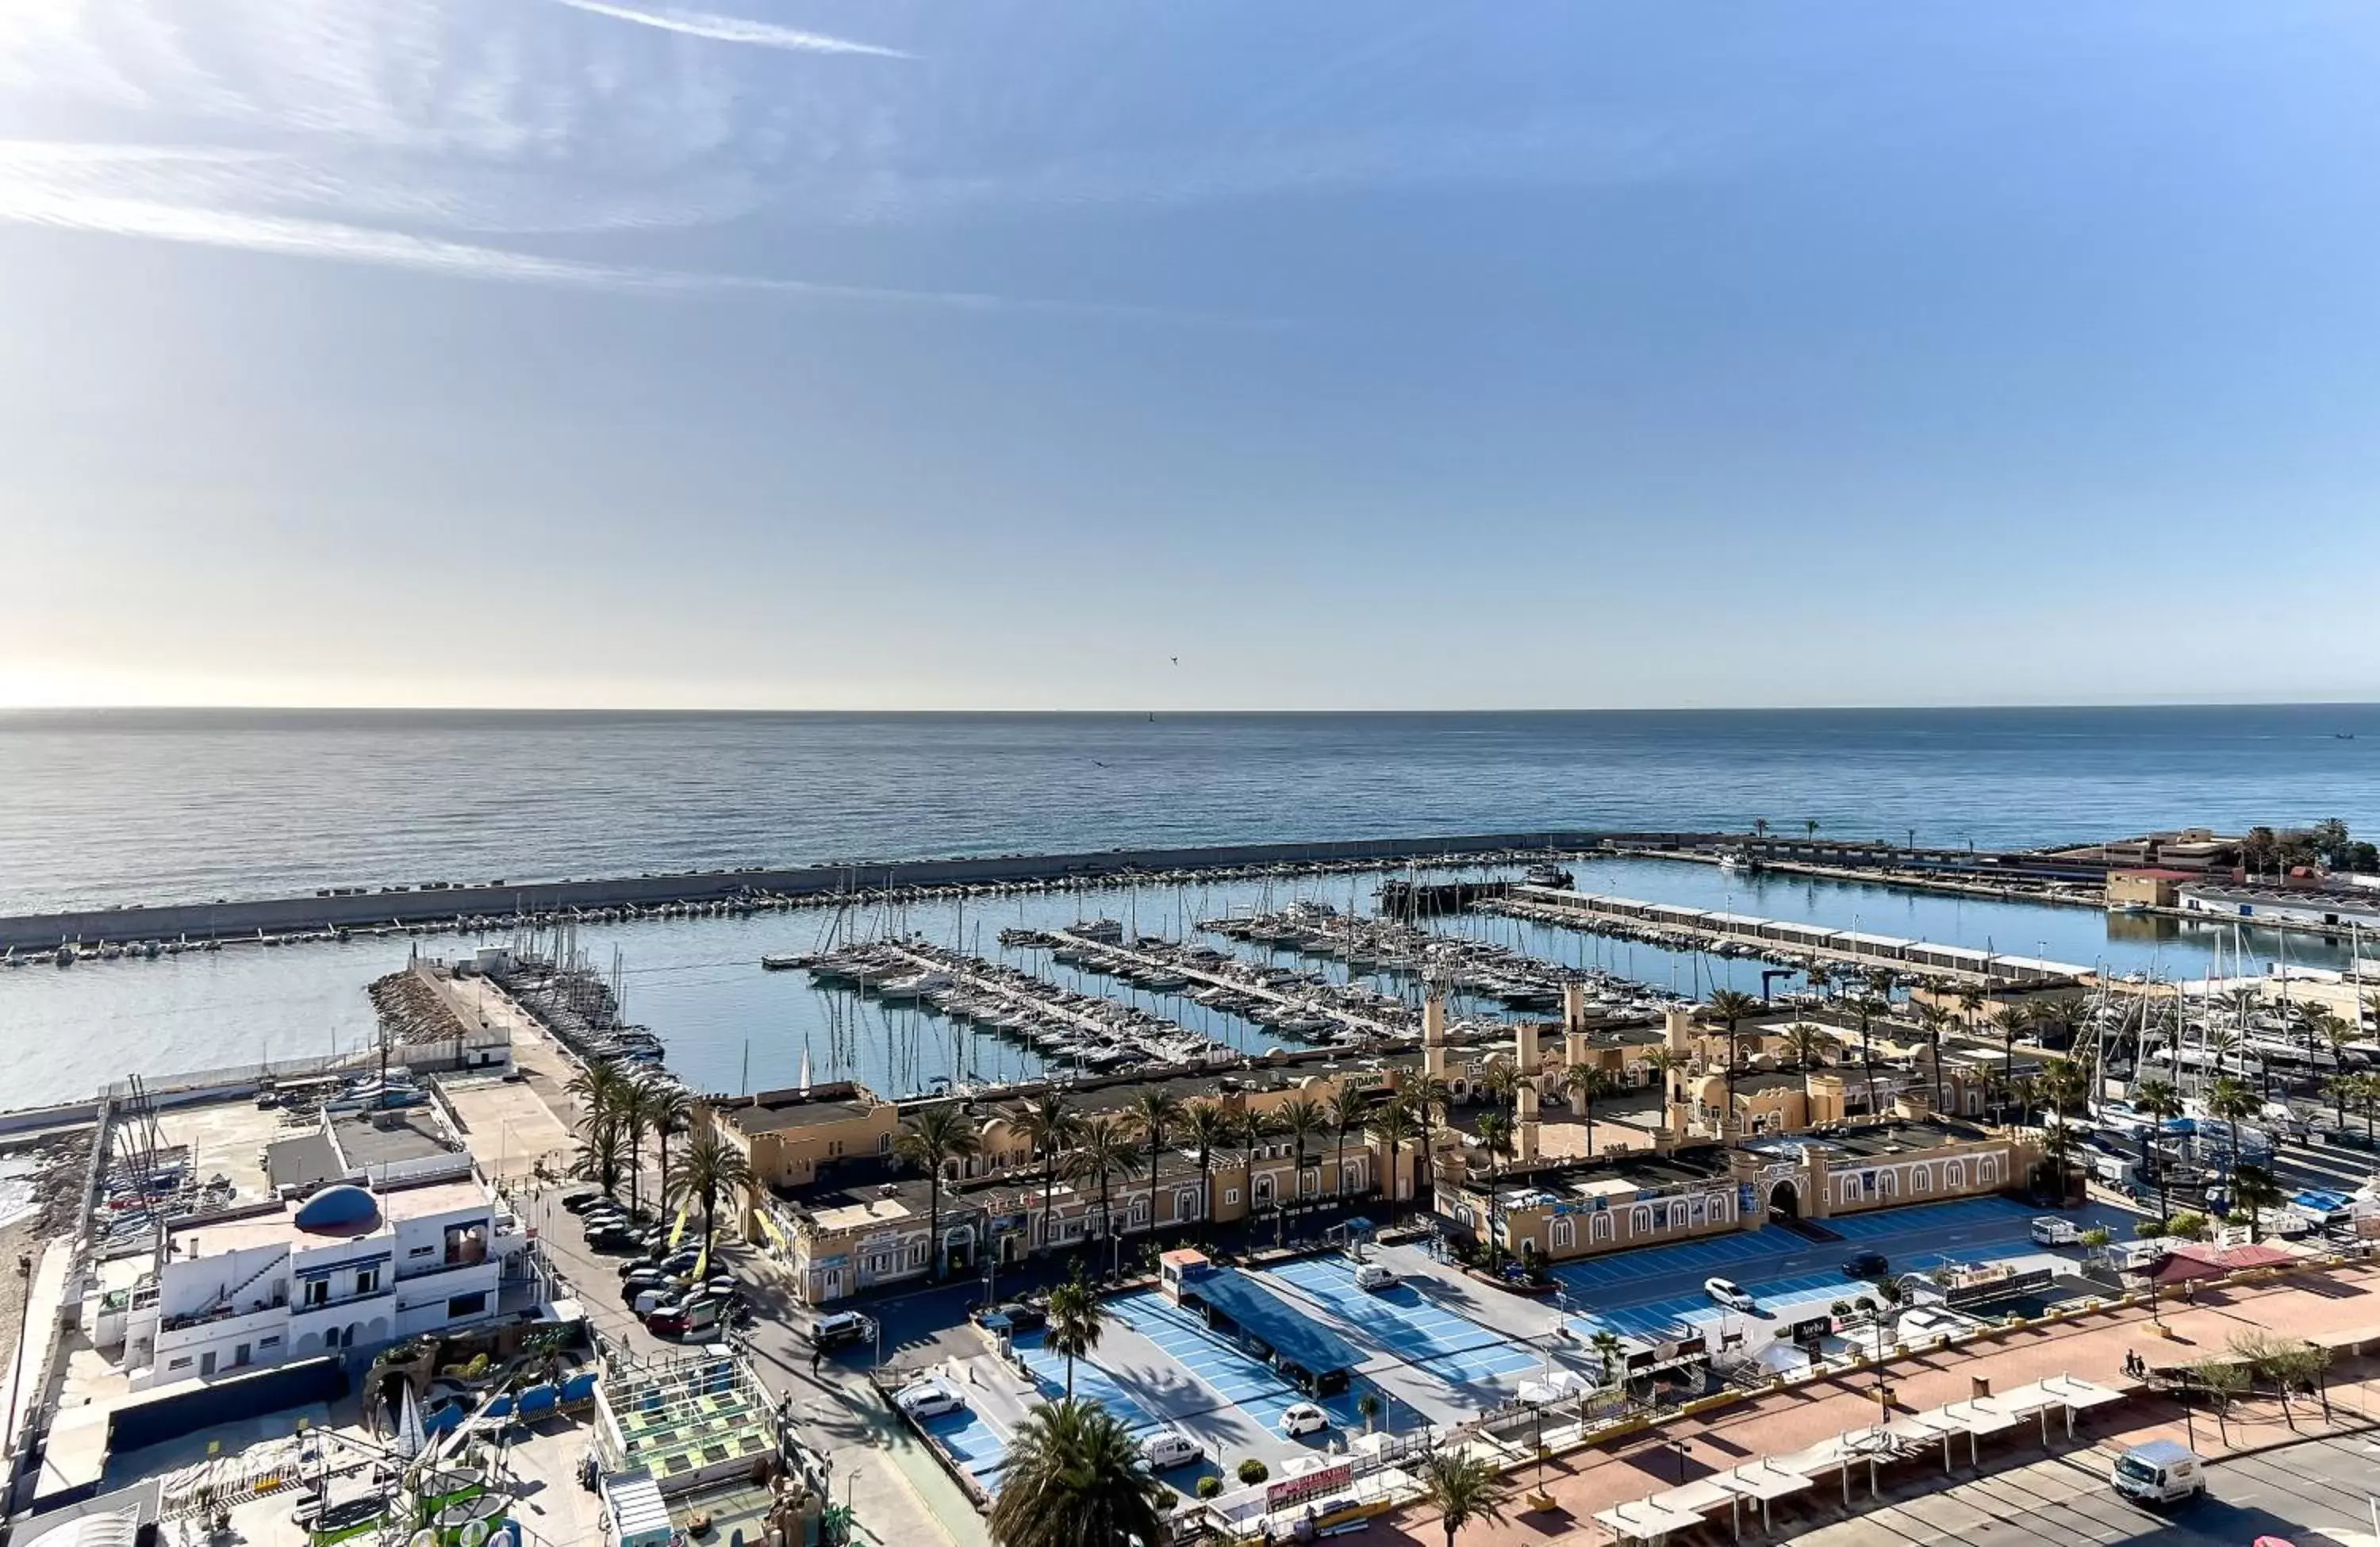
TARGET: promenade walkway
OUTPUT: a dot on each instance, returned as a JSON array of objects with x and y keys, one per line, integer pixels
[{"x": 2341, "y": 1306}]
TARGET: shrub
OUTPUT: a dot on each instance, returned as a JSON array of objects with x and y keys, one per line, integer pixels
[
  {"x": 2149, "y": 1229},
  {"x": 1839, "y": 1308},
  {"x": 1209, "y": 1486},
  {"x": 1253, "y": 1471},
  {"x": 2188, "y": 1226},
  {"x": 2096, "y": 1237}
]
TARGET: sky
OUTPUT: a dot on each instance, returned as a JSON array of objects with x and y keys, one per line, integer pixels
[{"x": 1106, "y": 353}]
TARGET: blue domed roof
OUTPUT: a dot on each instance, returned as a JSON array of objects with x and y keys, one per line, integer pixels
[{"x": 341, "y": 1209}]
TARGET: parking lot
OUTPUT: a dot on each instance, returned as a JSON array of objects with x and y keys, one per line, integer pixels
[{"x": 1440, "y": 1347}]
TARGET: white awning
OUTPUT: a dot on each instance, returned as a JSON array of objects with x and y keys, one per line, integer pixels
[
  {"x": 1763, "y": 1481},
  {"x": 1645, "y": 1517}
]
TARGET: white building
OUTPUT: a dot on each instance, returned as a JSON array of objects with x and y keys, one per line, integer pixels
[{"x": 416, "y": 1246}]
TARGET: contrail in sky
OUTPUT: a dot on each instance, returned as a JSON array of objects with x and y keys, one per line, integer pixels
[{"x": 735, "y": 29}]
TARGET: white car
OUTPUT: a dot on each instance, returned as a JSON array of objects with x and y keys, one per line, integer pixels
[
  {"x": 1169, "y": 1447},
  {"x": 930, "y": 1399},
  {"x": 1729, "y": 1293},
  {"x": 1304, "y": 1418},
  {"x": 1375, "y": 1277}
]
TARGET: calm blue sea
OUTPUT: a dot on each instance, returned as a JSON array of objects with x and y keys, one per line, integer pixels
[
  {"x": 158, "y": 807},
  {"x": 155, "y": 806}
]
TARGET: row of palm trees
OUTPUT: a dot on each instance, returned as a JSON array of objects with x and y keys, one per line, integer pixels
[
  {"x": 618, "y": 1108},
  {"x": 1103, "y": 1148}
]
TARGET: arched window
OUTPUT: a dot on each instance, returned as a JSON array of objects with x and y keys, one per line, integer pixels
[
  {"x": 1988, "y": 1170},
  {"x": 1921, "y": 1178},
  {"x": 1599, "y": 1229},
  {"x": 1888, "y": 1183},
  {"x": 1640, "y": 1219},
  {"x": 1185, "y": 1204},
  {"x": 1677, "y": 1214},
  {"x": 1564, "y": 1233},
  {"x": 1954, "y": 1175}
]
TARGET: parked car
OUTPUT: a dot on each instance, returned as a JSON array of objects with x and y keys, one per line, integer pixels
[
  {"x": 688, "y": 1320},
  {"x": 930, "y": 1399},
  {"x": 612, "y": 1243},
  {"x": 654, "y": 1297},
  {"x": 1169, "y": 1447},
  {"x": 840, "y": 1329},
  {"x": 1375, "y": 1277},
  {"x": 638, "y": 1282},
  {"x": 1304, "y": 1418},
  {"x": 1729, "y": 1293},
  {"x": 580, "y": 1203},
  {"x": 2158, "y": 1472},
  {"x": 1867, "y": 1264},
  {"x": 1019, "y": 1315}
]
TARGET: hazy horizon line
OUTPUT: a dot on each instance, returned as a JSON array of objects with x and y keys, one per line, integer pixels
[{"x": 65, "y": 711}]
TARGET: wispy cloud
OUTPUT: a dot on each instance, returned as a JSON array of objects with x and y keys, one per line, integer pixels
[
  {"x": 34, "y": 192},
  {"x": 735, "y": 30}
]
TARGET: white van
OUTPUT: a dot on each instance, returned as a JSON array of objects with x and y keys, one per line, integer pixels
[{"x": 2158, "y": 1472}]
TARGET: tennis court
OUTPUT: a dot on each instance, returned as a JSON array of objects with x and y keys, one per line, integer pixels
[
  {"x": 1233, "y": 1374},
  {"x": 1403, "y": 1322}
]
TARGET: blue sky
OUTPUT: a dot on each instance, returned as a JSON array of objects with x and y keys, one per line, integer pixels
[{"x": 862, "y": 353}]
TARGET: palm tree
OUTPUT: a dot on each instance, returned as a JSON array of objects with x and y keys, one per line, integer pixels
[
  {"x": 1496, "y": 1137},
  {"x": 2160, "y": 1102},
  {"x": 1501, "y": 1079},
  {"x": 1609, "y": 1352},
  {"x": 1462, "y": 1488},
  {"x": 2253, "y": 1190},
  {"x": 669, "y": 1108},
  {"x": 1427, "y": 1096},
  {"x": 2233, "y": 1103},
  {"x": 931, "y": 1140},
  {"x": 1586, "y": 1084},
  {"x": 709, "y": 1167},
  {"x": 1207, "y": 1126},
  {"x": 1075, "y": 1478},
  {"x": 1344, "y": 1113},
  {"x": 2009, "y": 1020},
  {"x": 1864, "y": 1009},
  {"x": 1971, "y": 998},
  {"x": 1049, "y": 1126},
  {"x": 1933, "y": 1018},
  {"x": 632, "y": 1109},
  {"x": 594, "y": 1084},
  {"x": 1760, "y": 827},
  {"x": 1106, "y": 1149},
  {"x": 1155, "y": 1113},
  {"x": 2341, "y": 1089},
  {"x": 1809, "y": 828},
  {"x": 1075, "y": 1318},
  {"x": 1393, "y": 1123},
  {"x": 601, "y": 1153},
  {"x": 1297, "y": 1119},
  {"x": 1730, "y": 1005}
]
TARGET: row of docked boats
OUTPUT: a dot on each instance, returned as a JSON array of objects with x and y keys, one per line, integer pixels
[
  {"x": 1305, "y": 1007},
  {"x": 1085, "y": 1031},
  {"x": 1480, "y": 968}
]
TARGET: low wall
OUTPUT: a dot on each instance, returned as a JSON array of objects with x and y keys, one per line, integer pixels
[{"x": 279, "y": 915}]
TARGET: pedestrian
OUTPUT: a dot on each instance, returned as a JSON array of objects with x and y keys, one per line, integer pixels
[{"x": 816, "y": 1355}]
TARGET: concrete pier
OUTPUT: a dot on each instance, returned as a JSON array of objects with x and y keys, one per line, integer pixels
[{"x": 361, "y": 909}]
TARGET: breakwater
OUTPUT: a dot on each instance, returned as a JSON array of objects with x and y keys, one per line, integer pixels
[
  {"x": 364, "y": 908},
  {"x": 342, "y": 908}
]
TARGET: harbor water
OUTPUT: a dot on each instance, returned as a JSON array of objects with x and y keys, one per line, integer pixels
[{"x": 729, "y": 1025}]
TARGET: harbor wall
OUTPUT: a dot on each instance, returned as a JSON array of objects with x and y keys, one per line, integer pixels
[
  {"x": 361, "y": 909},
  {"x": 282, "y": 915}
]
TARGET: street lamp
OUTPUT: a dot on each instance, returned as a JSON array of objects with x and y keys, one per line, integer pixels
[
  {"x": 1679, "y": 1448},
  {"x": 16, "y": 1358}
]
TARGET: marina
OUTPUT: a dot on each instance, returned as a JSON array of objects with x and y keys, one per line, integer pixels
[{"x": 695, "y": 989}]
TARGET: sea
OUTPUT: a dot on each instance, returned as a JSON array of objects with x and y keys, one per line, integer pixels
[{"x": 114, "y": 807}]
